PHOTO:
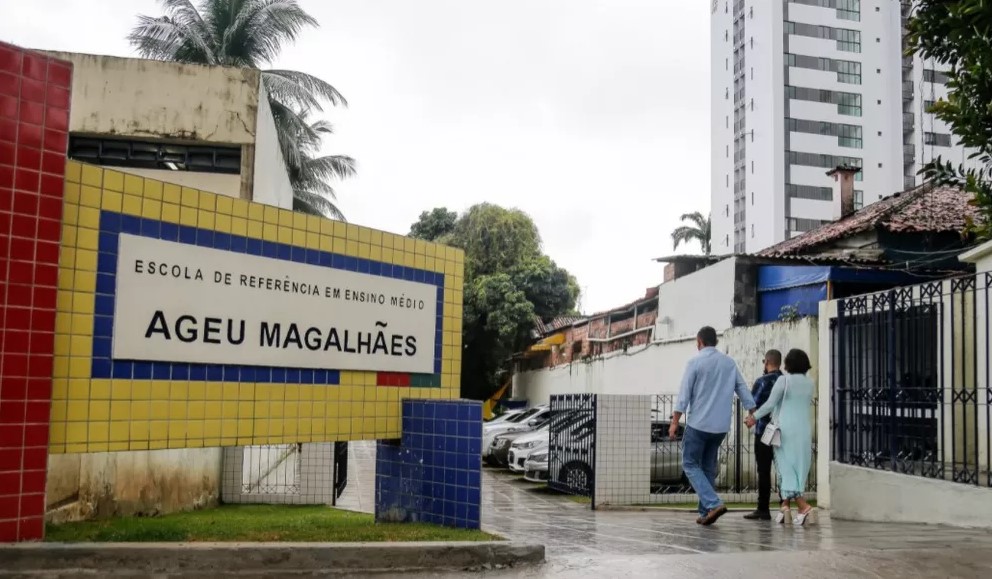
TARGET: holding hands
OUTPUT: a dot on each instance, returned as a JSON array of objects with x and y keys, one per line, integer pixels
[{"x": 750, "y": 421}]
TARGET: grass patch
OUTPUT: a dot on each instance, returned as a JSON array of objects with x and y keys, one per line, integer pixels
[
  {"x": 257, "y": 523},
  {"x": 544, "y": 489}
]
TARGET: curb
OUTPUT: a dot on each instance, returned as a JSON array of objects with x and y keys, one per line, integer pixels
[{"x": 268, "y": 558}]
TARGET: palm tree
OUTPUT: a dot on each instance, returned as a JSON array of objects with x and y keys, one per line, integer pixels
[
  {"x": 699, "y": 231},
  {"x": 250, "y": 33}
]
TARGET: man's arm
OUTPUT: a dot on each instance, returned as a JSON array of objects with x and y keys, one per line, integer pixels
[
  {"x": 685, "y": 398},
  {"x": 744, "y": 394}
]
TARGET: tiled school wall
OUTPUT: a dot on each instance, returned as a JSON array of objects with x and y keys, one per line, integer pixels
[
  {"x": 101, "y": 404},
  {"x": 34, "y": 119},
  {"x": 434, "y": 475}
]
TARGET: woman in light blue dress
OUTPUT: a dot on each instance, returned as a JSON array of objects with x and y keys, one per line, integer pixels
[{"x": 790, "y": 405}]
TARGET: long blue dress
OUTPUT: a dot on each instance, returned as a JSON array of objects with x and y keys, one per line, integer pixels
[{"x": 792, "y": 411}]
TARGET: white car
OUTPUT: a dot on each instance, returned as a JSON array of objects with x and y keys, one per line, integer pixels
[
  {"x": 504, "y": 417},
  {"x": 536, "y": 466},
  {"x": 518, "y": 422},
  {"x": 524, "y": 446}
]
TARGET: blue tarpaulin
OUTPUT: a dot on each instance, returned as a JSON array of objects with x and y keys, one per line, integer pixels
[{"x": 805, "y": 286}]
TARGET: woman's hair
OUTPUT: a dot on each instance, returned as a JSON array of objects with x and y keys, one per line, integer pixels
[{"x": 797, "y": 362}]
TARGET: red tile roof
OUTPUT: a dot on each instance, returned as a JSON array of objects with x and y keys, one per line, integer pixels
[
  {"x": 555, "y": 324},
  {"x": 923, "y": 209}
]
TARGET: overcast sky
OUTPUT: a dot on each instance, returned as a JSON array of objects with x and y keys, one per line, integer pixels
[{"x": 590, "y": 115}]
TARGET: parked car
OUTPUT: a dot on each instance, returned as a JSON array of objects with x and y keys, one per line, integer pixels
[
  {"x": 504, "y": 417},
  {"x": 499, "y": 454},
  {"x": 522, "y": 422},
  {"x": 536, "y": 466},
  {"x": 524, "y": 446},
  {"x": 666, "y": 463}
]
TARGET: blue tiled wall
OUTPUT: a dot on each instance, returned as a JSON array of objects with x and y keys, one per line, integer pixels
[{"x": 434, "y": 474}]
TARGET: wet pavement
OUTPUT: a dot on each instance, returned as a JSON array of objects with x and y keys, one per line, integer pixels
[{"x": 585, "y": 543}]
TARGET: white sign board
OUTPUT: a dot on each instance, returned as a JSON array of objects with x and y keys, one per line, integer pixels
[{"x": 182, "y": 303}]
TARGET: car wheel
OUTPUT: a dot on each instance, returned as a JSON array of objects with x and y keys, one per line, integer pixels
[{"x": 577, "y": 476}]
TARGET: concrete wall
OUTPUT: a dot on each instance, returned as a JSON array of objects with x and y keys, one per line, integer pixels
[
  {"x": 702, "y": 298},
  {"x": 147, "y": 98},
  {"x": 657, "y": 368},
  {"x": 106, "y": 484},
  {"x": 271, "y": 182},
  {"x": 880, "y": 496}
]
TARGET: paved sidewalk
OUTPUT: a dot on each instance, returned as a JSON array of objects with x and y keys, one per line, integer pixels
[{"x": 585, "y": 543}]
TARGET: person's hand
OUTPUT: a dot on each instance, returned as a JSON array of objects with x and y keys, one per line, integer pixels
[
  {"x": 673, "y": 430},
  {"x": 750, "y": 421}
]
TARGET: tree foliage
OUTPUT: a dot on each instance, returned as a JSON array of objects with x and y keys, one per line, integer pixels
[
  {"x": 698, "y": 231},
  {"x": 509, "y": 283},
  {"x": 434, "y": 225},
  {"x": 958, "y": 34},
  {"x": 251, "y": 33}
]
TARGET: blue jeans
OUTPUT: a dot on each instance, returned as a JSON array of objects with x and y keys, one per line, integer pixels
[{"x": 700, "y": 453}]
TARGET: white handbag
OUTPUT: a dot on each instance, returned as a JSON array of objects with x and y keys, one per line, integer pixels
[{"x": 772, "y": 436}]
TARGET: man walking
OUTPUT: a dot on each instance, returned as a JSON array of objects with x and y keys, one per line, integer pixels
[
  {"x": 763, "y": 454},
  {"x": 707, "y": 393}
]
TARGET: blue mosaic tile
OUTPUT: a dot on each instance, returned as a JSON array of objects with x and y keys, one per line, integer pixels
[{"x": 433, "y": 475}]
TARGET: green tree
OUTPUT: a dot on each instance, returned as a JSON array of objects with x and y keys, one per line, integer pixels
[
  {"x": 508, "y": 283},
  {"x": 250, "y": 33},
  {"x": 698, "y": 231},
  {"x": 434, "y": 225},
  {"x": 958, "y": 34}
]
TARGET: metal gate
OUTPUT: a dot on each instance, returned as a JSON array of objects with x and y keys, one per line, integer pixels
[
  {"x": 572, "y": 448},
  {"x": 340, "y": 470}
]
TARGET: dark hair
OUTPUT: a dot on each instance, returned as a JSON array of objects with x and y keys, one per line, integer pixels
[
  {"x": 797, "y": 362},
  {"x": 773, "y": 357},
  {"x": 707, "y": 336}
]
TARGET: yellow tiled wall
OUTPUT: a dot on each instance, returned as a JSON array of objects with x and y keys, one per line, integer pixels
[{"x": 141, "y": 413}]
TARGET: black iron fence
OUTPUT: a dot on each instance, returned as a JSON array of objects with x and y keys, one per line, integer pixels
[
  {"x": 911, "y": 380},
  {"x": 738, "y": 472},
  {"x": 620, "y": 462},
  {"x": 572, "y": 444}
]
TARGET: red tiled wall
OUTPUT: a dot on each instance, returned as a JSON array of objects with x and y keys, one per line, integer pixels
[{"x": 34, "y": 124}]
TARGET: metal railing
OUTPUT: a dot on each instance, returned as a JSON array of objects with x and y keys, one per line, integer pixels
[
  {"x": 910, "y": 379},
  {"x": 738, "y": 472}
]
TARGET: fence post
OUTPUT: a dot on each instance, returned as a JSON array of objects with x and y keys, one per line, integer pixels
[
  {"x": 738, "y": 443},
  {"x": 890, "y": 379},
  {"x": 839, "y": 375}
]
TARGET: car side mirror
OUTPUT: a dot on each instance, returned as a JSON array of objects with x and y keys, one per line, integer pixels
[{"x": 532, "y": 422}]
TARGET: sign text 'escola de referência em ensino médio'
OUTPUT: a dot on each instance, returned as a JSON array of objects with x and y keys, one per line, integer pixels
[{"x": 182, "y": 303}]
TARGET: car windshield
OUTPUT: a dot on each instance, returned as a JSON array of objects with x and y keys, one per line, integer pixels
[{"x": 524, "y": 415}]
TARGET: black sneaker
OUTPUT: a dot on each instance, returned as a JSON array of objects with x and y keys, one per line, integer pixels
[{"x": 759, "y": 516}]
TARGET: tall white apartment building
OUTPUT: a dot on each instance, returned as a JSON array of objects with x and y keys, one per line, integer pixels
[{"x": 800, "y": 87}]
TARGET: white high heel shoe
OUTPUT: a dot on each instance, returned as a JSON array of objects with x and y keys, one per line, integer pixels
[
  {"x": 802, "y": 518},
  {"x": 784, "y": 515}
]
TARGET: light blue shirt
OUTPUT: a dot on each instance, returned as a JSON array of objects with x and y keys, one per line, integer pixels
[{"x": 707, "y": 392}]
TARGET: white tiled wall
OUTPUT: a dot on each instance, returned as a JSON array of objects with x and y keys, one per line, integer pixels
[{"x": 623, "y": 449}]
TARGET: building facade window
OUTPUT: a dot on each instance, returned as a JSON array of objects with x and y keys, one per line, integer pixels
[
  {"x": 847, "y": 40},
  {"x": 847, "y": 135},
  {"x": 937, "y": 139},
  {"x": 809, "y": 192},
  {"x": 934, "y": 76},
  {"x": 822, "y": 161},
  {"x": 846, "y": 9},
  {"x": 848, "y": 103},
  {"x": 859, "y": 199},
  {"x": 927, "y": 105},
  {"x": 802, "y": 225},
  {"x": 848, "y": 71}
]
